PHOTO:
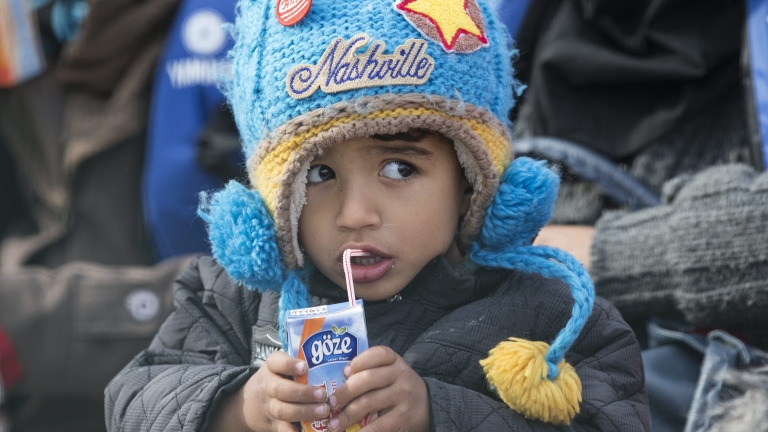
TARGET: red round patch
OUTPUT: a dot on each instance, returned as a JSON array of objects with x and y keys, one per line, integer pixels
[{"x": 289, "y": 12}]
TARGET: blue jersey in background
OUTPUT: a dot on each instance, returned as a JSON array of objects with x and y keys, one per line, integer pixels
[{"x": 184, "y": 98}]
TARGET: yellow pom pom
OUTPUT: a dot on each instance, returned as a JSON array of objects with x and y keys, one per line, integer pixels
[{"x": 518, "y": 370}]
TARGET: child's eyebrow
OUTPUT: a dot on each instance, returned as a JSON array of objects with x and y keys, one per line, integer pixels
[{"x": 398, "y": 149}]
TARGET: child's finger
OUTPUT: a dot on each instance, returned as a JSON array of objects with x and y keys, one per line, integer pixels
[
  {"x": 291, "y": 412},
  {"x": 388, "y": 422},
  {"x": 356, "y": 411},
  {"x": 282, "y": 364},
  {"x": 374, "y": 357},
  {"x": 289, "y": 391},
  {"x": 282, "y": 426},
  {"x": 361, "y": 383}
]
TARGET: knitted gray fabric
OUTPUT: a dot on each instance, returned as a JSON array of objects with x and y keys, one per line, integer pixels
[
  {"x": 704, "y": 253},
  {"x": 701, "y": 256},
  {"x": 715, "y": 135},
  {"x": 578, "y": 203}
]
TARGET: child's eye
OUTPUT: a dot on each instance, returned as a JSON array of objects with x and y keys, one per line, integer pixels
[
  {"x": 320, "y": 173},
  {"x": 398, "y": 170}
]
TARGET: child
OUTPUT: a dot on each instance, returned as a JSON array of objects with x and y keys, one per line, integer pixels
[{"x": 382, "y": 127}]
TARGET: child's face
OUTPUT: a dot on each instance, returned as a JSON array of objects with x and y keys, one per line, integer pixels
[{"x": 399, "y": 200}]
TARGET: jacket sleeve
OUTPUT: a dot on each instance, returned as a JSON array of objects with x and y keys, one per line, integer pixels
[
  {"x": 200, "y": 354},
  {"x": 704, "y": 253},
  {"x": 607, "y": 359}
]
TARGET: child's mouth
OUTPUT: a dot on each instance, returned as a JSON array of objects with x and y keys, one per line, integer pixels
[
  {"x": 370, "y": 268},
  {"x": 366, "y": 261}
]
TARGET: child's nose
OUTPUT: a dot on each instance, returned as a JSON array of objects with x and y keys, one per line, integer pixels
[{"x": 358, "y": 209}]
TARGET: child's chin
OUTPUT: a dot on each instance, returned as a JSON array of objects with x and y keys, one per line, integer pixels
[{"x": 377, "y": 291}]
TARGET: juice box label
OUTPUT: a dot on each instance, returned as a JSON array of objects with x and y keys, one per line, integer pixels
[
  {"x": 329, "y": 347},
  {"x": 327, "y": 338}
]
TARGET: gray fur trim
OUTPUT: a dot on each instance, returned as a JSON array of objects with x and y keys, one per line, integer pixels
[{"x": 748, "y": 413}]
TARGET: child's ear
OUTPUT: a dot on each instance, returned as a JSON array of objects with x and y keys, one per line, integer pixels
[{"x": 466, "y": 196}]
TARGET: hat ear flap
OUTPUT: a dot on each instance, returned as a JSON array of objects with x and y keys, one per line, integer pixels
[
  {"x": 242, "y": 236},
  {"x": 522, "y": 205},
  {"x": 532, "y": 377}
]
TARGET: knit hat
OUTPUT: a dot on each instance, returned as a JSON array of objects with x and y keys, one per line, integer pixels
[{"x": 309, "y": 75}]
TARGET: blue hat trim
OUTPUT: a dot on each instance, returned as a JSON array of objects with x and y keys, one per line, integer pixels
[
  {"x": 242, "y": 236},
  {"x": 521, "y": 207}
]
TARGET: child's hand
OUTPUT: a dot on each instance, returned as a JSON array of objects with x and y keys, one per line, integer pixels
[
  {"x": 271, "y": 401},
  {"x": 281, "y": 401},
  {"x": 380, "y": 380}
]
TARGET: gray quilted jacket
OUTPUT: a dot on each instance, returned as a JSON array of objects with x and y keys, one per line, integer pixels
[{"x": 446, "y": 321}]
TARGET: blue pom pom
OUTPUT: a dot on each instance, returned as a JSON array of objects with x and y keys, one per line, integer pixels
[
  {"x": 522, "y": 205},
  {"x": 242, "y": 237}
]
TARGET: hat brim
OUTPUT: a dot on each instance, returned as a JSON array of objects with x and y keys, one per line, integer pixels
[{"x": 277, "y": 170}]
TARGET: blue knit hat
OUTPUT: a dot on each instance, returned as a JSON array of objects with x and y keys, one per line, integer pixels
[{"x": 359, "y": 68}]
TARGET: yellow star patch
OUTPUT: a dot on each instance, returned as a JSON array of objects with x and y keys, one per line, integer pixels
[{"x": 451, "y": 19}]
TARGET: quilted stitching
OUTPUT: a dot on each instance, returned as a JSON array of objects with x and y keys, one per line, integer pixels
[{"x": 170, "y": 389}]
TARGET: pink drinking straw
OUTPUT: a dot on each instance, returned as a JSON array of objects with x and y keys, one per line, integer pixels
[{"x": 346, "y": 263}]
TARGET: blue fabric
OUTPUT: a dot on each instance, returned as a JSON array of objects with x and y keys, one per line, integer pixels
[
  {"x": 27, "y": 61},
  {"x": 66, "y": 17},
  {"x": 619, "y": 185},
  {"x": 266, "y": 52},
  {"x": 724, "y": 352},
  {"x": 671, "y": 372},
  {"x": 757, "y": 30},
  {"x": 521, "y": 207},
  {"x": 684, "y": 374},
  {"x": 184, "y": 98},
  {"x": 242, "y": 236},
  {"x": 511, "y": 13}
]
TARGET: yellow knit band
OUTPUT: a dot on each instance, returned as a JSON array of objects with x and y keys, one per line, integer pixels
[{"x": 267, "y": 174}]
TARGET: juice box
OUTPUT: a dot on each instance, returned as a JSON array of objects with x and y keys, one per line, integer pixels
[{"x": 327, "y": 338}]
